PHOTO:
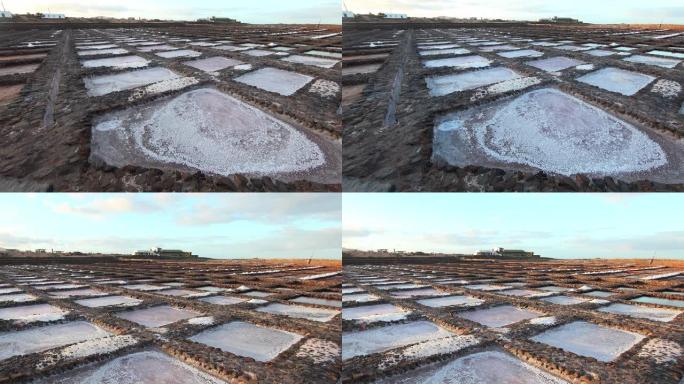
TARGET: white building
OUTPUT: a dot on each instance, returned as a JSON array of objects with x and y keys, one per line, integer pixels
[
  {"x": 53, "y": 16},
  {"x": 396, "y": 16},
  {"x": 5, "y": 15}
]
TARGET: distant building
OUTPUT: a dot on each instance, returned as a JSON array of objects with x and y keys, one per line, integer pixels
[
  {"x": 348, "y": 14},
  {"x": 396, "y": 16},
  {"x": 507, "y": 253},
  {"x": 6, "y": 15},
  {"x": 560, "y": 20},
  {"x": 40, "y": 250},
  {"x": 54, "y": 16},
  {"x": 165, "y": 253}
]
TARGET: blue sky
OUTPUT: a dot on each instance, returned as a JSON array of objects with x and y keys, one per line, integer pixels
[
  {"x": 255, "y": 11},
  {"x": 210, "y": 225},
  {"x": 592, "y": 11},
  {"x": 555, "y": 225}
]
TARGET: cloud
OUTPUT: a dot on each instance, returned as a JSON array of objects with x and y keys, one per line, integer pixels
[
  {"x": 99, "y": 207},
  {"x": 666, "y": 241}
]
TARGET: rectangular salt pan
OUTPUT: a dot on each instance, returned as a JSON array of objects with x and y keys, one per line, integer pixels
[
  {"x": 29, "y": 313},
  {"x": 382, "y": 339},
  {"x": 224, "y": 300},
  {"x": 418, "y": 292},
  {"x": 213, "y": 64},
  {"x": 521, "y": 53},
  {"x": 434, "y": 52},
  {"x": 299, "y": 311},
  {"x": 565, "y": 300},
  {"x": 113, "y": 51},
  {"x": 463, "y": 62},
  {"x": 179, "y": 53},
  {"x": 587, "y": 339},
  {"x": 451, "y": 300},
  {"x": 103, "y": 85},
  {"x": 335, "y": 55},
  {"x": 657, "y": 300},
  {"x": 310, "y": 60},
  {"x": 315, "y": 300},
  {"x": 642, "y": 312},
  {"x": 117, "y": 62},
  {"x": 360, "y": 69},
  {"x": 249, "y": 340},
  {"x": 107, "y": 301},
  {"x": 359, "y": 298},
  {"x": 444, "y": 85},
  {"x": 499, "y": 316},
  {"x": 285, "y": 83},
  {"x": 157, "y": 316},
  {"x": 617, "y": 80},
  {"x": 667, "y": 54},
  {"x": 18, "y": 69},
  {"x": 17, "y": 343},
  {"x": 657, "y": 61},
  {"x": 555, "y": 64},
  {"x": 373, "y": 313}
]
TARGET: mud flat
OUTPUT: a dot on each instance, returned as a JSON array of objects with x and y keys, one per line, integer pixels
[
  {"x": 594, "y": 142},
  {"x": 210, "y": 131}
]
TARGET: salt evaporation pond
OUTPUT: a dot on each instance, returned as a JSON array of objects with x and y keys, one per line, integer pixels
[
  {"x": 300, "y": 311},
  {"x": 600, "y": 53},
  {"x": 315, "y": 300},
  {"x": 210, "y": 131},
  {"x": 157, "y": 316},
  {"x": 657, "y": 300},
  {"x": 117, "y": 62},
  {"x": 76, "y": 292},
  {"x": 249, "y": 340},
  {"x": 453, "y": 51},
  {"x": 521, "y": 53},
  {"x": 213, "y": 64},
  {"x": 373, "y": 313},
  {"x": 162, "y": 47},
  {"x": 97, "y": 302},
  {"x": 311, "y": 60},
  {"x": 223, "y": 300},
  {"x": 18, "y": 69},
  {"x": 600, "y": 293},
  {"x": 16, "y": 343},
  {"x": 483, "y": 367},
  {"x": 617, "y": 80},
  {"x": 553, "y": 288},
  {"x": 638, "y": 311},
  {"x": 135, "y": 368},
  {"x": 30, "y": 313},
  {"x": 145, "y": 287},
  {"x": 487, "y": 287},
  {"x": 534, "y": 130},
  {"x": 17, "y": 298},
  {"x": 651, "y": 60},
  {"x": 520, "y": 292},
  {"x": 179, "y": 53},
  {"x": 275, "y": 80},
  {"x": 258, "y": 294},
  {"x": 335, "y": 55},
  {"x": 499, "y": 316},
  {"x": 102, "y": 85},
  {"x": 399, "y": 286},
  {"x": 466, "y": 301},
  {"x": 93, "y": 52},
  {"x": 667, "y": 54},
  {"x": 360, "y": 69},
  {"x": 376, "y": 340},
  {"x": 418, "y": 292},
  {"x": 565, "y": 300},
  {"x": 360, "y": 298},
  {"x": 461, "y": 62},
  {"x": 587, "y": 339},
  {"x": 446, "y": 84},
  {"x": 555, "y": 64}
]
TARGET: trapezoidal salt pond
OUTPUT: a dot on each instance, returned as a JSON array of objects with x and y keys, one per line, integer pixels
[{"x": 210, "y": 131}]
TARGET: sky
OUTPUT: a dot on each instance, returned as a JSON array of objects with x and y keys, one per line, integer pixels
[
  {"x": 591, "y": 11},
  {"x": 557, "y": 225},
  {"x": 285, "y": 225},
  {"x": 254, "y": 11}
]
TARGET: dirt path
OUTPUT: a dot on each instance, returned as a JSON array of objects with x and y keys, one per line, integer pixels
[{"x": 49, "y": 118}]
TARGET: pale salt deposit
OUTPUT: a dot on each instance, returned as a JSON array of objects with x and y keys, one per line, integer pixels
[
  {"x": 600, "y": 53},
  {"x": 117, "y": 62},
  {"x": 482, "y": 367},
  {"x": 376, "y": 340},
  {"x": 87, "y": 348},
  {"x": 454, "y": 51},
  {"x": 162, "y": 47},
  {"x": 465, "y": 301},
  {"x": 617, "y": 80},
  {"x": 438, "y": 46},
  {"x": 179, "y": 53},
  {"x": 319, "y": 350},
  {"x": 31, "y": 313},
  {"x": 521, "y": 53},
  {"x": 315, "y": 300},
  {"x": 135, "y": 368},
  {"x": 157, "y": 316},
  {"x": 325, "y": 88},
  {"x": 258, "y": 294},
  {"x": 39, "y": 339},
  {"x": 429, "y": 348},
  {"x": 311, "y": 60},
  {"x": 59, "y": 286},
  {"x": 77, "y": 292},
  {"x": 461, "y": 62},
  {"x": 113, "y": 51},
  {"x": 246, "y": 339},
  {"x": 360, "y": 298},
  {"x": 399, "y": 286},
  {"x": 487, "y": 287},
  {"x": 650, "y": 60},
  {"x": 446, "y": 84},
  {"x": 207, "y": 130},
  {"x": 373, "y": 313},
  {"x": 212, "y": 64},
  {"x": 145, "y": 287},
  {"x": 409, "y": 293},
  {"x": 553, "y": 288},
  {"x": 163, "y": 86},
  {"x": 520, "y": 292},
  {"x": 638, "y": 311},
  {"x": 667, "y": 88},
  {"x": 498, "y": 316},
  {"x": 599, "y": 293},
  {"x": 657, "y": 300},
  {"x": 4, "y": 291},
  {"x": 300, "y": 311},
  {"x": 314, "y": 52},
  {"x": 587, "y": 339},
  {"x": 565, "y": 300},
  {"x": 548, "y": 320},
  {"x": 663, "y": 351},
  {"x": 17, "y": 298},
  {"x": 360, "y": 69},
  {"x": 555, "y": 64},
  {"x": 223, "y": 300},
  {"x": 533, "y": 129},
  {"x": 204, "y": 320},
  {"x": 282, "y": 82},
  {"x": 667, "y": 54},
  {"x": 109, "y": 300}
]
